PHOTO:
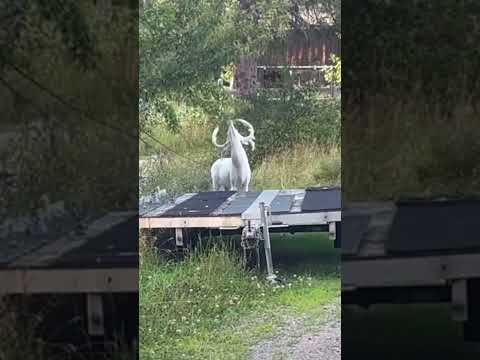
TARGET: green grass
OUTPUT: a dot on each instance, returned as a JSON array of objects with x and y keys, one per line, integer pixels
[
  {"x": 427, "y": 329},
  {"x": 23, "y": 325},
  {"x": 301, "y": 166},
  {"x": 209, "y": 307},
  {"x": 399, "y": 145}
]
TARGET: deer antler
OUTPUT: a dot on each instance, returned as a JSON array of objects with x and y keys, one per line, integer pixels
[
  {"x": 251, "y": 132},
  {"x": 214, "y": 139}
]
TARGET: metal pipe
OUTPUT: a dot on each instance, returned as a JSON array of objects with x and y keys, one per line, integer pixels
[{"x": 266, "y": 237}]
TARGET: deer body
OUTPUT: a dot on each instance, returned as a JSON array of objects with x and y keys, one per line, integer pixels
[
  {"x": 233, "y": 173},
  {"x": 240, "y": 173},
  {"x": 220, "y": 173}
]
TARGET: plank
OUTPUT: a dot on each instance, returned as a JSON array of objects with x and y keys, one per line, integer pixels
[
  {"x": 40, "y": 281},
  {"x": 212, "y": 222}
]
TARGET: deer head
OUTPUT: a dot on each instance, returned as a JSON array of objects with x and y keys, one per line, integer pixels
[{"x": 233, "y": 133}]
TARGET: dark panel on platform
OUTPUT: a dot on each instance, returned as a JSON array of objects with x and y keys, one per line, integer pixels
[
  {"x": 117, "y": 246},
  {"x": 18, "y": 244},
  {"x": 201, "y": 204},
  {"x": 322, "y": 199},
  {"x": 435, "y": 225},
  {"x": 241, "y": 203},
  {"x": 282, "y": 204}
]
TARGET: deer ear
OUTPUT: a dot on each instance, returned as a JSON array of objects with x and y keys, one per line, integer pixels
[{"x": 248, "y": 142}]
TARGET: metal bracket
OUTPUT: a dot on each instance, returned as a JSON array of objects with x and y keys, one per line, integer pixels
[
  {"x": 250, "y": 241},
  {"x": 264, "y": 211},
  {"x": 95, "y": 315}
]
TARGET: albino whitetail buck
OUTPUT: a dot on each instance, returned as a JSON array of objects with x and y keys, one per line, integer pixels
[{"x": 233, "y": 173}]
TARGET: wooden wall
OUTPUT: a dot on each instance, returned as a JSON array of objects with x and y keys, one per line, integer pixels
[{"x": 312, "y": 47}]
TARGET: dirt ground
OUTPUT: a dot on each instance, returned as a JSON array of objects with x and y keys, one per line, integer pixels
[{"x": 298, "y": 339}]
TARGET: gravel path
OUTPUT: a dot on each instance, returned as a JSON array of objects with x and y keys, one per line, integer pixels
[{"x": 298, "y": 340}]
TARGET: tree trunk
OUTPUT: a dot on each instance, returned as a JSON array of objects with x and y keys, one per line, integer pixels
[{"x": 245, "y": 77}]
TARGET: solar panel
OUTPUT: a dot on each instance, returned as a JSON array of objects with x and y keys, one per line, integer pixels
[
  {"x": 239, "y": 204},
  {"x": 117, "y": 245},
  {"x": 435, "y": 225},
  {"x": 201, "y": 204},
  {"x": 281, "y": 203},
  {"x": 322, "y": 199}
]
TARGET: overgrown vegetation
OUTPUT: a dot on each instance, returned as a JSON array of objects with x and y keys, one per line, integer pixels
[
  {"x": 410, "y": 115},
  {"x": 410, "y": 149},
  {"x": 297, "y": 132},
  {"x": 31, "y": 331},
  {"x": 68, "y": 83},
  {"x": 209, "y": 307},
  {"x": 72, "y": 78},
  {"x": 299, "y": 167},
  {"x": 184, "y": 44}
]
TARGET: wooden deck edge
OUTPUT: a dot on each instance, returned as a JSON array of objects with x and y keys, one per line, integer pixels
[
  {"x": 38, "y": 281},
  {"x": 191, "y": 222}
]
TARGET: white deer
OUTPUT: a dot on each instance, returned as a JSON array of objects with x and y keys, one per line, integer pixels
[{"x": 233, "y": 173}]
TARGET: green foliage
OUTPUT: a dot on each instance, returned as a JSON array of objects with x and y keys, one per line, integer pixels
[
  {"x": 66, "y": 18},
  {"x": 384, "y": 37},
  {"x": 87, "y": 119},
  {"x": 185, "y": 44},
  {"x": 181, "y": 101},
  {"x": 409, "y": 148},
  {"x": 24, "y": 318},
  {"x": 178, "y": 177},
  {"x": 292, "y": 116},
  {"x": 410, "y": 119},
  {"x": 333, "y": 75},
  {"x": 320, "y": 11},
  {"x": 298, "y": 135},
  {"x": 298, "y": 167}
]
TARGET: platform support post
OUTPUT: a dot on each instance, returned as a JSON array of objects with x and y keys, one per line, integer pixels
[
  {"x": 459, "y": 304},
  {"x": 95, "y": 315},
  {"x": 179, "y": 237},
  {"x": 268, "y": 249}
]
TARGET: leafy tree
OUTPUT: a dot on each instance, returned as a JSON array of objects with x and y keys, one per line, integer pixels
[
  {"x": 72, "y": 71},
  {"x": 333, "y": 75},
  {"x": 438, "y": 37},
  {"x": 19, "y": 18},
  {"x": 184, "y": 45}
]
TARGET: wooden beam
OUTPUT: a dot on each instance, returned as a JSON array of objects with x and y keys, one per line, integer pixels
[
  {"x": 191, "y": 222},
  {"x": 30, "y": 281}
]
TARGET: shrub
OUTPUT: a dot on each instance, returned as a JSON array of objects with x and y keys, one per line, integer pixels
[{"x": 292, "y": 116}]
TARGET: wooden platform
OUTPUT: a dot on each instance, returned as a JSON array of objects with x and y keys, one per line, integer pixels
[
  {"x": 98, "y": 255},
  {"x": 235, "y": 210}
]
